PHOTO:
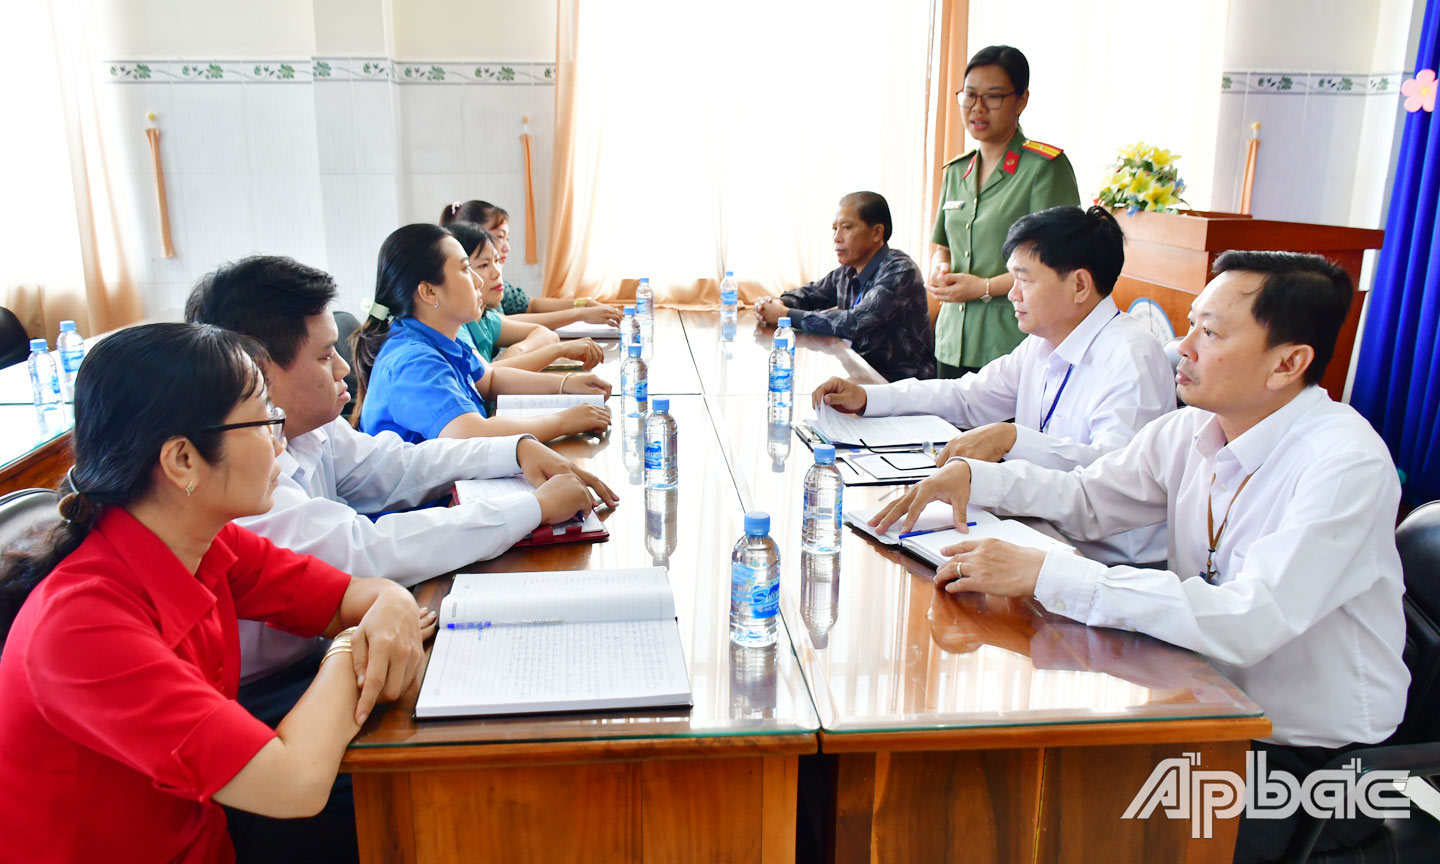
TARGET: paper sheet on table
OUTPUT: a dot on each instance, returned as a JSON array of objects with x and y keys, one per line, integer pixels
[
  {"x": 937, "y": 514},
  {"x": 897, "y": 467},
  {"x": 898, "y": 431},
  {"x": 541, "y": 404}
]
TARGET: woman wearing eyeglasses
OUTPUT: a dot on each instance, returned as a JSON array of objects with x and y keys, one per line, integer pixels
[
  {"x": 121, "y": 732},
  {"x": 983, "y": 192}
]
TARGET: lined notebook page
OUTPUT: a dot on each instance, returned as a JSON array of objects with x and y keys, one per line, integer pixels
[
  {"x": 522, "y": 670},
  {"x": 642, "y": 594},
  {"x": 585, "y": 663},
  {"x": 883, "y": 431}
]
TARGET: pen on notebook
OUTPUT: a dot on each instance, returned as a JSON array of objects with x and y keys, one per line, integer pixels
[
  {"x": 485, "y": 625},
  {"x": 933, "y": 530}
]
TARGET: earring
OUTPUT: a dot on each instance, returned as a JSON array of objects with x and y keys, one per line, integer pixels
[
  {"x": 189, "y": 488},
  {"x": 436, "y": 304}
]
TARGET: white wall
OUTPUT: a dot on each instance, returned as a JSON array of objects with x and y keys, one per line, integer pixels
[
  {"x": 1322, "y": 77},
  {"x": 300, "y": 135},
  {"x": 497, "y": 29}
]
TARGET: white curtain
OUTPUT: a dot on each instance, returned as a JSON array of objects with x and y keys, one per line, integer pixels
[
  {"x": 721, "y": 136},
  {"x": 1108, "y": 73}
]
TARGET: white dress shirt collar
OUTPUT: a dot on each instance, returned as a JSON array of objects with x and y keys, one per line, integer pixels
[
  {"x": 1248, "y": 452},
  {"x": 1072, "y": 348}
]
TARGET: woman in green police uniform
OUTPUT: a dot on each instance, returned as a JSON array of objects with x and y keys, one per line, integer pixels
[{"x": 982, "y": 194}]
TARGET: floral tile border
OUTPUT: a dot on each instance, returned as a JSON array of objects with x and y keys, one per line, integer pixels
[
  {"x": 1303, "y": 83},
  {"x": 328, "y": 69}
]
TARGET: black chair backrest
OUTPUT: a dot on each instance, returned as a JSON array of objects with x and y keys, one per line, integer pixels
[
  {"x": 19, "y": 513},
  {"x": 14, "y": 343},
  {"x": 1418, "y": 539},
  {"x": 347, "y": 324}
]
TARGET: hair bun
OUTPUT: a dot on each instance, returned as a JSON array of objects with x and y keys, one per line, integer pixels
[{"x": 76, "y": 508}]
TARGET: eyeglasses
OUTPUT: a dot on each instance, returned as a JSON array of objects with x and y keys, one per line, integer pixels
[
  {"x": 276, "y": 424},
  {"x": 992, "y": 100}
]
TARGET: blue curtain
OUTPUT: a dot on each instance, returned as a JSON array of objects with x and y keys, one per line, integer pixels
[{"x": 1397, "y": 383}]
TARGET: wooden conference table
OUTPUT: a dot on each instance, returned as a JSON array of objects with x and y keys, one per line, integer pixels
[{"x": 954, "y": 728}]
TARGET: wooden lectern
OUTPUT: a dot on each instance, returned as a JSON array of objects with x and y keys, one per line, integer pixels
[{"x": 1168, "y": 258}]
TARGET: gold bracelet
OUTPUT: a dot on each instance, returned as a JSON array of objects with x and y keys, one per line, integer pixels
[
  {"x": 341, "y": 643},
  {"x": 582, "y": 301},
  {"x": 563, "y": 380},
  {"x": 987, "y": 297}
]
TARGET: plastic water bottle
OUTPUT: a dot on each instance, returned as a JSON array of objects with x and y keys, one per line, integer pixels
[
  {"x": 782, "y": 382},
  {"x": 661, "y": 446},
  {"x": 755, "y": 585},
  {"x": 629, "y": 331},
  {"x": 644, "y": 301},
  {"x": 660, "y": 535},
  {"x": 729, "y": 298},
  {"x": 824, "y": 491},
  {"x": 753, "y": 678},
  {"x": 783, "y": 330},
  {"x": 777, "y": 445},
  {"x": 634, "y": 386},
  {"x": 44, "y": 376},
  {"x": 72, "y": 351},
  {"x": 632, "y": 443}
]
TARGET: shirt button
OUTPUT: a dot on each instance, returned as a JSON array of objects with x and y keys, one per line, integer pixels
[
  {"x": 967, "y": 253},
  {"x": 967, "y": 227},
  {"x": 1060, "y": 606},
  {"x": 1221, "y": 488}
]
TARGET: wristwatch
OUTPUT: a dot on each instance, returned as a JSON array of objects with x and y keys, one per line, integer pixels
[{"x": 986, "y": 298}]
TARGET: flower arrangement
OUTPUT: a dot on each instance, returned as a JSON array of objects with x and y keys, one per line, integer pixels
[{"x": 1143, "y": 178}]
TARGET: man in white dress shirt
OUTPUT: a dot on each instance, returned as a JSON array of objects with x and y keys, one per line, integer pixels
[
  {"x": 330, "y": 475},
  {"x": 1082, "y": 384},
  {"x": 1281, "y": 508}
]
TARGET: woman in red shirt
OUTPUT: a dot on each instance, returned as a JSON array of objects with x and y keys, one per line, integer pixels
[{"x": 120, "y": 736}]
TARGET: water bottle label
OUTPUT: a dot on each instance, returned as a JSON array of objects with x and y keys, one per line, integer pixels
[
  {"x": 728, "y": 297},
  {"x": 70, "y": 360},
  {"x": 652, "y": 454},
  {"x": 642, "y": 306},
  {"x": 642, "y": 391},
  {"x": 781, "y": 380},
  {"x": 765, "y": 600}
]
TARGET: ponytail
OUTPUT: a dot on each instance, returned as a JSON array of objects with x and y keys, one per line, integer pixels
[
  {"x": 410, "y": 255},
  {"x": 38, "y": 550}
]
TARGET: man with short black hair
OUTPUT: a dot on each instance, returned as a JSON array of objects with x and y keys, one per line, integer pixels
[
  {"x": 1082, "y": 383},
  {"x": 875, "y": 298},
  {"x": 1281, "y": 509}
]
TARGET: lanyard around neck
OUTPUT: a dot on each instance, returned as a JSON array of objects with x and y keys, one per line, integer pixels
[
  {"x": 1212, "y": 533},
  {"x": 1045, "y": 423}
]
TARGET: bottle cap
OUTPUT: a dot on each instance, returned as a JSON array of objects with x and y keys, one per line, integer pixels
[
  {"x": 824, "y": 454},
  {"x": 67, "y": 325},
  {"x": 39, "y": 345},
  {"x": 634, "y": 349},
  {"x": 629, "y": 310},
  {"x": 644, "y": 280},
  {"x": 785, "y": 322},
  {"x": 757, "y": 522},
  {"x": 660, "y": 404},
  {"x": 729, "y": 273}
]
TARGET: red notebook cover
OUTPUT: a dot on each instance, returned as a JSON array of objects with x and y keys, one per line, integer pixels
[{"x": 572, "y": 531}]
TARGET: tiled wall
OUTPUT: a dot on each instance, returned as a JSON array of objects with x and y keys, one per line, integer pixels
[
  {"x": 317, "y": 159},
  {"x": 1325, "y": 143}
]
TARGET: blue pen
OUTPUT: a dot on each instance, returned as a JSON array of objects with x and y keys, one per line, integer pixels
[
  {"x": 485, "y": 625},
  {"x": 933, "y": 530}
]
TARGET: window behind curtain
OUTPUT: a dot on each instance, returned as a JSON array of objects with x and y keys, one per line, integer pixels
[{"x": 714, "y": 136}]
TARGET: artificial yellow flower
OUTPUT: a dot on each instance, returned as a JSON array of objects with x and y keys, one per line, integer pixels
[
  {"x": 1161, "y": 158},
  {"x": 1139, "y": 183}
]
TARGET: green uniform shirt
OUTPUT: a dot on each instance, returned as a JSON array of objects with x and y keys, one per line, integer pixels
[{"x": 973, "y": 223}]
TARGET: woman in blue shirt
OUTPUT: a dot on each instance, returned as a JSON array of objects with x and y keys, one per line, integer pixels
[{"x": 416, "y": 380}]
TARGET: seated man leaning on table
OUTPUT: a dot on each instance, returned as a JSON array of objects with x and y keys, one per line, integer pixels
[
  {"x": 331, "y": 473},
  {"x": 875, "y": 298},
  {"x": 1281, "y": 508},
  {"x": 1082, "y": 384}
]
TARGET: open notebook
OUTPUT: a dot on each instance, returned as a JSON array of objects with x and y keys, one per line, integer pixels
[
  {"x": 570, "y": 531},
  {"x": 905, "y": 430},
  {"x": 541, "y": 404},
  {"x": 580, "y": 329},
  {"x": 573, "y": 640},
  {"x": 938, "y": 520}
]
